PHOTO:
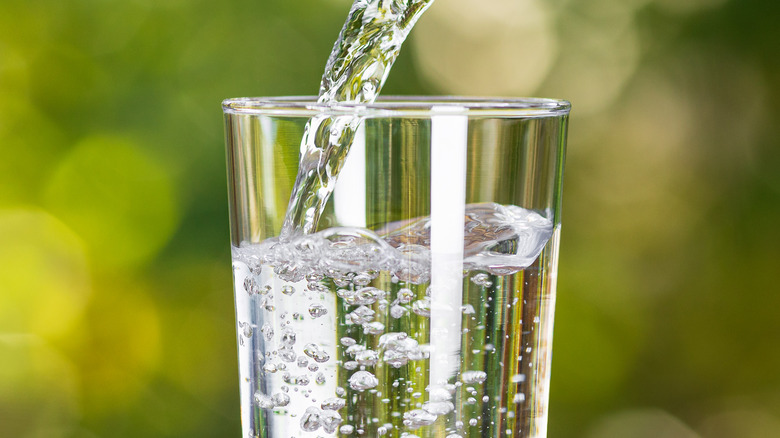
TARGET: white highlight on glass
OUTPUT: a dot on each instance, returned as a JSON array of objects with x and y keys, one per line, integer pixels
[
  {"x": 268, "y": 144},
  {"x": 349, "y": 198},
  {"x": 449, "y": 137}
]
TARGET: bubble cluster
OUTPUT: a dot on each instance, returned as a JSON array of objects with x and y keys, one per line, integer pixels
[
  {"x": 375, "y": 287},
  {"x": 399, "y": 348},
  {"x": 500, "y": 239}
]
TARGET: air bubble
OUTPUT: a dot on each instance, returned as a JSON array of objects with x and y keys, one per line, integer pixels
[
  {"x": 367, "y": 357},
  {"x": 361, "y": 315},
  {"x": 473, "y": 377},
  {"x": 418, "y": 418},
  {"x": 362, "y": 279},
  {"x": 333, "y": 404},
  {"x": 288, "y": 337},
  {"x": 366, "y": 296},
  {"x": 518, "y": 378},
  {"x": 438, "y": 407},
  {"x": 263, "y": 401},
  {"x": 246, "y": 329},
  {"x": 355, "y": 349},
  {"x": 281, "y": 399},
  {"x": 310, "y": 421},
  {"x": 267, "y": 331},
  {"x": 397, "y": 311},
  {"x": 422, "y": 307},
  {"x": 373, "y": 328},
  {"x": 362, "y": 380},
  {"x": 405, "y": 296},
  {"x": 482, "y": 280},
  {"x": 314, "y": 352},
  {"x": 330, "y": 421},
  {"x": 317, "y": 310},
  {"x": 250, "y": 285},
  {"x": 287, "y": 354}
]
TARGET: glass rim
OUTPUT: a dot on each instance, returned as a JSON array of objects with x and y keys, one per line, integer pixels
[{"x": 400, "y": 106}]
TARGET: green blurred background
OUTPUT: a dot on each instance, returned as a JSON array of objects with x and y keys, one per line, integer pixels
[{"x": 116, "y": 309}]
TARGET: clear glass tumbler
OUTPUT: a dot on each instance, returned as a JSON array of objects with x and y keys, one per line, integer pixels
[{"x": 422, "y": 306}]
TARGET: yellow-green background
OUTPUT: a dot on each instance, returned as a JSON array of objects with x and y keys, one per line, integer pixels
[{"x": 116, "y": 310}]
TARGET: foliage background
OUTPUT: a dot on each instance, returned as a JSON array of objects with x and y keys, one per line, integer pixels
[{"x": 116, "y": 314}]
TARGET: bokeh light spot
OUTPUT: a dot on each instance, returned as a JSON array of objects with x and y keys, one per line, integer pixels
[
  {"x": 188, "y": 363},
  {"x": 588, "y": 355},
  {"x": 29, "y": 145},
  {"x": 38, "y": 389},
  {"x": 742, "y": 423},
  {"x": 648, "y": 423},
  {"x": 504, "y": 48},
  {"x": 65, "y": 79},
  {"x": 44, "y": 277},
  {"x": 688, "y": 6},
  {"x": 119, "y": 199},
  {"x": 120, "y": 343},
  {"x": 599, "y": 54}
]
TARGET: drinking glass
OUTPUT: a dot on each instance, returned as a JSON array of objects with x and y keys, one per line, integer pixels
[{"x": 422, "y": 306}]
